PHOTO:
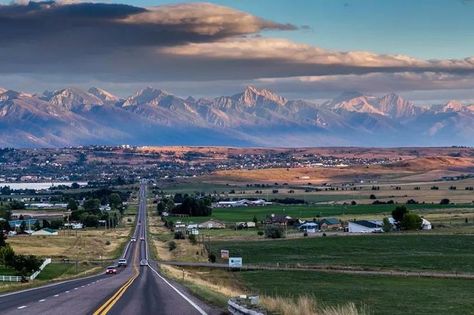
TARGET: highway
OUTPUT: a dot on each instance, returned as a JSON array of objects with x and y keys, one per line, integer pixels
[{"x": 137, "y": 289}]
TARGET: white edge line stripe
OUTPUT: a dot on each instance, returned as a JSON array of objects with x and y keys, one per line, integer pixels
[
  {"x": 199, "y": 309},
  {"x": 48, "y": 286}
]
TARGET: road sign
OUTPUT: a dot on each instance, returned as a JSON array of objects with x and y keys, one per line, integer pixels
[
  {"x": 235, "y": 262},
  {"x": 224, "y": 254}
]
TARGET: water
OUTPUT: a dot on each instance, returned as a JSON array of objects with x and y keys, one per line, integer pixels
[{"x": 38, "y": 186}]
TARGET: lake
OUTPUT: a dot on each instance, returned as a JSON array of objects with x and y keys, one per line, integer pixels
[{"x": 39, "y": 186}]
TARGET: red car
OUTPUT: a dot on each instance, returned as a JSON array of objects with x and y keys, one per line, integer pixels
[{"x": 111, "y": 270}]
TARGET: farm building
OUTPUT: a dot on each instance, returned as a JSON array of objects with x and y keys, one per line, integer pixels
[
  {"x": 330, "y": 224},
  {"x": 45, "y": 232},
  {"x": 212, "y": 224},
  {"x": 364, "y": 226}
]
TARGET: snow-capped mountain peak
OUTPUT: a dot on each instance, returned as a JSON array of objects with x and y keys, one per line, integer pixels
[{"x": 104, "y": 95}]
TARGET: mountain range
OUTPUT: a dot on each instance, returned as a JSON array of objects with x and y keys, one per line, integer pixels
[{"x": 254, "y": 117}]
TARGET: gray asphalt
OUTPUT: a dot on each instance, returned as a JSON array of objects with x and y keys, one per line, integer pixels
[{"x": 150, "y": 292}]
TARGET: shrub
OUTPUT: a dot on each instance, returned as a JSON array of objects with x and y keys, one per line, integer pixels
[
  {"x": 260, "y": 233},
  {"x": 178, "y": 235},
  {"x": 107, "y": 243},
  {"x": 192, "y": 239},
  {"x": 212, "y": 257},
  {"x": 411, "y": 221},
  {"x": 444, "y": 201},
  {"x": 171, "y": 245},
  {"x": 372, "y": 197},
  {"x": 274, "y": 231}
]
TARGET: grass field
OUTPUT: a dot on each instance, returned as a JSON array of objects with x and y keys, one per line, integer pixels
[
  {"x": 89, "y": 244},
  {"x": 313, "y": 211},
  {"x": 380, "y": 295},
  {"x": 57, "y": 270},
  {"x": 402, "y": 252}
]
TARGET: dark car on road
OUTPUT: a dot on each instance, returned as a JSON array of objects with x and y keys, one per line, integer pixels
[{"x": 111, "y": 270}]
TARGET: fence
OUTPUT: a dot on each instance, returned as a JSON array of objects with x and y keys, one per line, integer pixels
[
  {"x": 10, "y": 279},
  {"x": 46, "y": 262}
]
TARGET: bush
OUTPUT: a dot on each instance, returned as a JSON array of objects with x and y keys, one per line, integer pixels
[
  {"x": 178, "y": 235},
  {"x": 274, "y": 231},
  {"x": 192, "y": 239},
  {"x": 411, "y": 221},
  {"x": 372, "y": 197},
  {"x": 399, "y": 213},
  {"x": 444, "y": 201},
  {"x": 107, "y": 243},
  {"x": 171, "y": 245},
  {"x": 260, "y": 233},
  {"x": 212, "y": 257}
]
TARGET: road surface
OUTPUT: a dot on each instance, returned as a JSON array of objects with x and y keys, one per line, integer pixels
[{"x": 137, "y": 289}]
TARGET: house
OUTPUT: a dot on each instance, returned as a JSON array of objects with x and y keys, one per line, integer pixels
[
  {"x": 364, "y": 226},
  {"x": 425, "y": 224},
  {"x": 45, "y": 232},
  {"x": 211, "y": 224},
  {"x": 330, "y": 224}
]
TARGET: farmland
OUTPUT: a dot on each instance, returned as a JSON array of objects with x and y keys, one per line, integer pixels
[
  {"x": 395, "y": 252},
  {"x": 378, "y": 294}
]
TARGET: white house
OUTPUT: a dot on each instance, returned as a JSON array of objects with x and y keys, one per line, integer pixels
[
  {"x": 426, "y": 225},
  {"x": 363, "y": 226}
]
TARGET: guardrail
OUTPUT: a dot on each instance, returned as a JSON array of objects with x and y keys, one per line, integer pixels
[{"x": 245, "y": 306}]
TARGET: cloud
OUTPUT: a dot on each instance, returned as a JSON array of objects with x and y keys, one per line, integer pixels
[{"x": 75, "y": 41}]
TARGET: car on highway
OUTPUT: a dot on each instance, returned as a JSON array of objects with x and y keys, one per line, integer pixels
[
  {"x": 143, "y": 262},
  {"x": 122, "y": 262},
  {"x": 111, "y": 270},
  {"x": 142, "y": 238},
  {"x": 133, "y": 239}
]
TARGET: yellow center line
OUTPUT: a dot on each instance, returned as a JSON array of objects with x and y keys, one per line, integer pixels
[{"x": 107, "y": 306}]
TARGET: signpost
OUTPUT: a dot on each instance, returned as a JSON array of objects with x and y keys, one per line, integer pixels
[
  {"x": 224, "y": 254},
  {"x": 235, "y": 262}
]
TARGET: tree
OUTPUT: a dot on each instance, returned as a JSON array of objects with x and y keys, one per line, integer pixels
[
  {"x": 6, "y": 255},
  {"x": 2, "y": 239},
  {"x": 92, "y": 205},
  {"x": 386, "y": 226},
  {"x": 372, "y": 197},
  {"x": 36, "y": 226},
  {"x": 399, "y": 213},
  {"x": 75, "y": 185},
  {"x": 411, "y": 221},
  {"x": 23, "y": 226},
  {"x": 90, "y": 220},
  {"x": 444, "y": 201},
  {"x": 72, "y": 204},
  {"x": 274, "y": 231},
  {"x": 115, "y": 201}
]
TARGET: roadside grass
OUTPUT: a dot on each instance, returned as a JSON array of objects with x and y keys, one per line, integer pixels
[
  {"x": 7, "y": 271},
  {"x": 57, "y": 270},
  {"x": 87, "y": 244},
  {"x": 416, "y": 252},
  {"x": 378, "y": 294}
]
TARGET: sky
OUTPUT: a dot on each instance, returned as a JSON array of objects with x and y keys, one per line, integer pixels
[{"x": 308, "y": 49}]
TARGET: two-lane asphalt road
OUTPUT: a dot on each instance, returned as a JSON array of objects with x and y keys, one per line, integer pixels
[{"x": 137, "y": 289}]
